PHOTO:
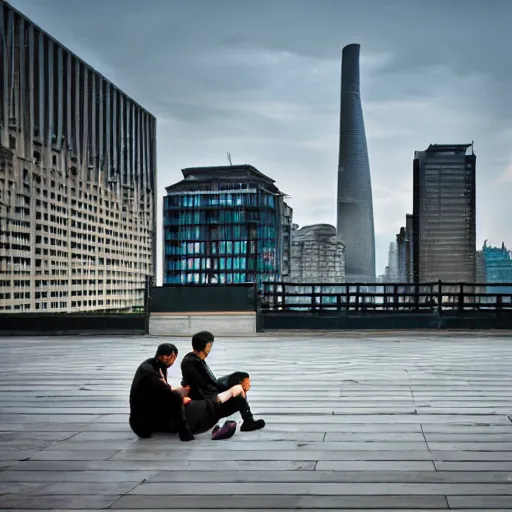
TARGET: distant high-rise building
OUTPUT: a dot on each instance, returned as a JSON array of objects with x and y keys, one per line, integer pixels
[
  {"x": 402, "y": 243},
  {"x": 77, "y": 180},
  {"x": 223, "y": 225},
  {"x": 409, "y": 248},
  {"x": 354, "y": 202},
  {"x": 444, "y": 217},
  {"x": 392, "y": 268},
  {"x": 399, "y": 268}
]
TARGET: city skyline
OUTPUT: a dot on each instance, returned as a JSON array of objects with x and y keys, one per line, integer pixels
[{"x": 272, "y": 99}]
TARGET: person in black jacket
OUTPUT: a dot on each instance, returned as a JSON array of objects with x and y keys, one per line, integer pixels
[
  {"x": 203, "y": 384},
  {"x": 156, "y": 407}
]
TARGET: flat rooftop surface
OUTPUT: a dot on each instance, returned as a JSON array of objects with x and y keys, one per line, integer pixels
[{"x": 353, "y": 423}]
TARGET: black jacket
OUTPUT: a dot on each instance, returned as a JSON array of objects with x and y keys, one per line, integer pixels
[
  {"x": 202, "y": 381},
  {"x": 151, "y": 400}
]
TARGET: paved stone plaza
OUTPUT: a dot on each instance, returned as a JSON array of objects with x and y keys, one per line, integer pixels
[{"x": 353, "y": 422}]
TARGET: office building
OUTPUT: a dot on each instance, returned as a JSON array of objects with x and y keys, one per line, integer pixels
[
  {"x": 444, "y": 217},
  {"x": 77, "y": 180},
  {"x": 355, "y": 204},
  {"x": 223, "y": 225}
]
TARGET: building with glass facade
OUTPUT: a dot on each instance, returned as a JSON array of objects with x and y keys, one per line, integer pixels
[
  {"x": 225, "y": 225},
  {"x": 355, "y": 222},
  {"x": 497, "y": 267}
]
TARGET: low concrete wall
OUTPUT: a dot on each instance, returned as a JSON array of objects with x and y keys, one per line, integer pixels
[
  {"x": 55, "y": 324},
  {"x": 187, "y": 324},
  {"x": 203, "y": 298},
  {"x": 270, "y": 321}
]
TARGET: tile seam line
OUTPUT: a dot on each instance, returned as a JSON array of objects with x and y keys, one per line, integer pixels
[{"x": 124, "y": 494}]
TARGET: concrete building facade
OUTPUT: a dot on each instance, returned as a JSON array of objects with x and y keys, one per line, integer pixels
[
  {"x": 224, "y": 225},
  {"x": 355, "y": 222},
  {"x": 317, "y": 255},
  {"x": 77, "y": 180},
  {"x": 444, "y": 214}
]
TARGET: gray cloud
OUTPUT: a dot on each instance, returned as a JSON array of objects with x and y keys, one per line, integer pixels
[{"x": 261, "y": 80}]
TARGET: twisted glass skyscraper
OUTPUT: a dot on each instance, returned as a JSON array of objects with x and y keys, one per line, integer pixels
[{"x": 355, "y": 204}]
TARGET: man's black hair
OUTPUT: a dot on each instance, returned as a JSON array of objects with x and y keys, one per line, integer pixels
[
  {"x": 201, "y": 339},
  {"x": 166, "y": 349}
]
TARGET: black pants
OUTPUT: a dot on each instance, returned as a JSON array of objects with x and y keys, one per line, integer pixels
[{"x": 201, "y": 415}]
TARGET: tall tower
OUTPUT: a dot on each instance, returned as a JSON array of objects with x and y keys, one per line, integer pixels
[{"x": 355, "y": 204}]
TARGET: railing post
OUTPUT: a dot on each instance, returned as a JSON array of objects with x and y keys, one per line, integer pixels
[
  {"x": 283, "y": 302},
  {"x": 439, "y": 296},
  {"x": 461, "y": 297},
  {"x": 357, "y": 297},
  {"x": 313, "y": 297},
  {"x": 274, "y": 296},
  {"x": 257, "y": 297}
]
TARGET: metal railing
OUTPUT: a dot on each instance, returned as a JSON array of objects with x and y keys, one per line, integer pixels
[{"x": 400, "y": 297}]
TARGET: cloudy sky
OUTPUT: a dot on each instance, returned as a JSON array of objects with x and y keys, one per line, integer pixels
[{"x": 262, "y": 81}]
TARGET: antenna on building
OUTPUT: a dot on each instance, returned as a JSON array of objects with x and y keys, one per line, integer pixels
[{"x": 229, "y": 159}]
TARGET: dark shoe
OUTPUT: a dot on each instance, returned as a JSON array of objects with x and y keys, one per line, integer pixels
[
  {"x": 250, "y": 425},
  {"x": 186, "y": 435},
  {"x": 225, "y": 432}
]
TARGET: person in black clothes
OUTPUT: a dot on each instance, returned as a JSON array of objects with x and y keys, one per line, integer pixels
[
  {"x": 203, "y": 384},
  {"x": 156, "y": 407}
]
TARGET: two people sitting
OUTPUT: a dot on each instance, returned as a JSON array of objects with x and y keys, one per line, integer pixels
[{"x": 194, "y": 407}]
